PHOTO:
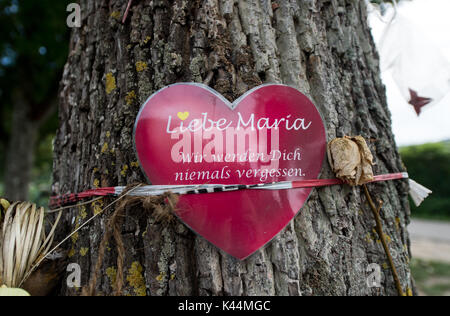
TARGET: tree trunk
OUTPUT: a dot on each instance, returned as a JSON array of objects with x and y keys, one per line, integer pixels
[
  {"x": 20, "y": 150},
  {"x": 322, "y": 47}
]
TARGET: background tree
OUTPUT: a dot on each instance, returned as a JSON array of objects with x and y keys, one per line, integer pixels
[
  {"x": 33, "y": 49},
  {"x": 324, "y": 48}
]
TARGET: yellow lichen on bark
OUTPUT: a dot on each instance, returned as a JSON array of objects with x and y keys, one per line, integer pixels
[
  {"x": 71, "y": 253},
  {"x": 83, "y": 212},
  {"x": 146, "y": 40},
  {"x": 124, "y": 170},
  {"x": 111, "y": 272},
  {"x": 84, "y": 251},
  {"x": 97, "y": 207},
  {"x": 105, "y": 148},
  {"x": 110, "y": 83},
  {"x": 131, "y": 96},
  {"x": 135, "y": 164},
  {"x": 160, "y": 277},
  {"x": 141, "y": 66},
  {"x": 136, "y": 279},
  {"x": 116, "y": 15}
]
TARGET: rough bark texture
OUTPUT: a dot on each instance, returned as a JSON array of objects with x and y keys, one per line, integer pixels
[{"x": 322, "y": 47}]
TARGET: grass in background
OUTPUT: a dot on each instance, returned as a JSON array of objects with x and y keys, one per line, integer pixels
[{"x": 432, "y": 278}]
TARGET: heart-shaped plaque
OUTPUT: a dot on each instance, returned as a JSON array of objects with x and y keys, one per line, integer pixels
[{"x": 189, "y": 134}]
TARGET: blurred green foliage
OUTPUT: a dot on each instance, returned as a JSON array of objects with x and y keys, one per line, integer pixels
[
  {"x": 33, "y": 49},
  {"x": 429, "y": 165},
  {"x": 33, "y": 45},
  {"x": 432, "y": 278},
  {"x": 40, "y": 187}
]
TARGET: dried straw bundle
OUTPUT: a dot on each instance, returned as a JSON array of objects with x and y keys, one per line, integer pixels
[{"x": 22, "y": 242}]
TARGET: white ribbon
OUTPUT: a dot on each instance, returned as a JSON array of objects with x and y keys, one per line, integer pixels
[{"x": 418, "y": 192}]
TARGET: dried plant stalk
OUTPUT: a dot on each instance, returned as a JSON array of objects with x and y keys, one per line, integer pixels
[{"x": 23, "y": 242}]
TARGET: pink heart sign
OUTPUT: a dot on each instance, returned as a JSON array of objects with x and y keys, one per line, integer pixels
[{"x": 189, "y": 134}]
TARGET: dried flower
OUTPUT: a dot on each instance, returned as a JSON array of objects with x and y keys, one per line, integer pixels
[{"x": 351, "y": 160}]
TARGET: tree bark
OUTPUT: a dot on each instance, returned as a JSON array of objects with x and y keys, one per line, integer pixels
[{"x": 322, "y": 47}]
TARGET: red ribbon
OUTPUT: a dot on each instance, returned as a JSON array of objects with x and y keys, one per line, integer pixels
[
  {"x": 330, "y": 182},
  {"x": 126, "y": 11},
  {"x": 63, "y": 200}
]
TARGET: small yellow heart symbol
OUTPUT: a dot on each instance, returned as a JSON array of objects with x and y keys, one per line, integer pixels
[{"x": 183, "y": 115}]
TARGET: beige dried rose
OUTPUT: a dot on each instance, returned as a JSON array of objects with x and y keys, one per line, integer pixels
[{"x": 351, "y": 160}]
